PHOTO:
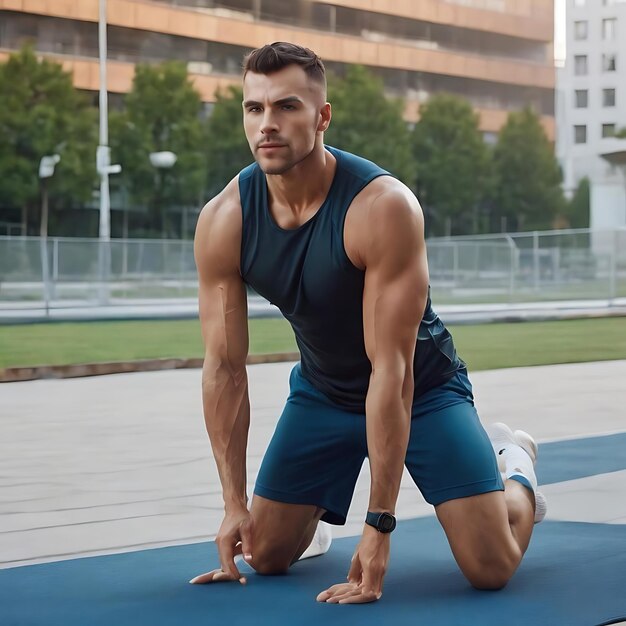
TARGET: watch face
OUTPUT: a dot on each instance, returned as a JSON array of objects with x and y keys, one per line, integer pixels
[{"x": 386, "y": 523}]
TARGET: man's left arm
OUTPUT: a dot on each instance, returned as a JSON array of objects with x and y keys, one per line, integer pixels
[{"x": 394, "y": 299}]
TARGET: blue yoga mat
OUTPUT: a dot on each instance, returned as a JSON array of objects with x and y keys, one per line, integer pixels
[
  {"x": 577, "y": 458},
  {"x": 573, "y": 574}
]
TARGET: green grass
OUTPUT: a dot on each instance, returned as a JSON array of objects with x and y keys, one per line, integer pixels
[{"x": 488, "y": 346}]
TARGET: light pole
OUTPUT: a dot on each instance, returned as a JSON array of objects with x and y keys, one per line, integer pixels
[
  {"x": 162, "y": 161},
  {"x": 46, "y": 170},
  {"x": 103, "y": 159}
]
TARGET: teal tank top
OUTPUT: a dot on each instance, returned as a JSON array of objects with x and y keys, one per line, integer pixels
[{"x": 307, "y": 274}]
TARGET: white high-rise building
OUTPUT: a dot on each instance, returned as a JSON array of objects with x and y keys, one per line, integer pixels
[{"x": 591, "y": 106}]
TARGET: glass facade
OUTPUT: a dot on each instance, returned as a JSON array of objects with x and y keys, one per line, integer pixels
[
  {"x": 376, "y": 26},
  {"x": 80, "y": 39}
]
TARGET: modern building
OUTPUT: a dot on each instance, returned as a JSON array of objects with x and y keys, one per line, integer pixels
[
  {"x": 496, "y": 53},
  {"x": 591, "y": 107}
]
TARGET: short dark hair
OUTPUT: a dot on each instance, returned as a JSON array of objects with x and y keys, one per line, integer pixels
[{"x": 275, "y": 56}]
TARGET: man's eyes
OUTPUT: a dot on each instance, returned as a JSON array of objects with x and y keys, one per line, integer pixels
[{"x": 284, "y": 107}]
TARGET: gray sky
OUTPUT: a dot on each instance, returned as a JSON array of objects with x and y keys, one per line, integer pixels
[{"x": 559, "y": 31}]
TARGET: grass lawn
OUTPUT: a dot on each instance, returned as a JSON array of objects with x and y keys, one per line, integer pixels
[{"x": 487, "y": 346}]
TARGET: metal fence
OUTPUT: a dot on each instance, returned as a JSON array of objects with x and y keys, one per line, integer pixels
[
  {"x": 521, "y": 267},
  {"x": 524, "y": 267}
]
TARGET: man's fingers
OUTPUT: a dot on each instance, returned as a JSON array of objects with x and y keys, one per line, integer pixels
[
  {"x": 215, "y": 576},
  {"x": 334, "y": 590},
  {"x": 361, "y": 598},
  {"x": 227, "y": 561},
  {"x": 246, "y": 539},
  {"x": 356, "y": 571},
  {"x": 348, "y": 593}
]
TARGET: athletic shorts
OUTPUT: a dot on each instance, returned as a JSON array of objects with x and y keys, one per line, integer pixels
[{"x": 318, "y": 448}]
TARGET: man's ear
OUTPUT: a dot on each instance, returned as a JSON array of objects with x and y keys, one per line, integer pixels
[{"x": 325, "y": 117}]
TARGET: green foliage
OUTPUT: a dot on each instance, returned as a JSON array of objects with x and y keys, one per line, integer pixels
[
  {"x": 162, "y": 113},
  {"x": 452, "y": 161},
  {"x": 526, "y": 174},
  {"x": 226, "y": 145},
  {"x": 41, "y": 114},
  {"x": 366, "y": 123},
  {"x": 577, "y": 209},
  {"x": 621, "y": 133}
]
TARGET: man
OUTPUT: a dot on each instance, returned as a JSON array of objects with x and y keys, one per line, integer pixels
[{"x": 338, "y": 245}]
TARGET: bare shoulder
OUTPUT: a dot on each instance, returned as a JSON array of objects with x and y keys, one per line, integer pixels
[
  {"x": 390, "y": 198},
  {"x": 218, "y": 231},
  {"x": 384, "y": 216}
]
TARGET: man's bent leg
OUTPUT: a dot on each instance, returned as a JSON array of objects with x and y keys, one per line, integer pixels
[
  {"x": 309, "y": 471},
  {"x": 488, "y": 523},
  {"x": 489, "y": 533},
  {"x": 281, "y": 532}
]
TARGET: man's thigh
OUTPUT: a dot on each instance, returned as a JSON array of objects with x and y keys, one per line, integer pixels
[
  {"x": 314, "y": 457},
  {"x": 449, "y": 454},
  {"x": 478, "y": 531},
  {"x": 281, "y": 532}
]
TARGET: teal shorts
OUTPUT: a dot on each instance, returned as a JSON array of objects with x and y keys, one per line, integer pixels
[{"x": 318, "y": 448}]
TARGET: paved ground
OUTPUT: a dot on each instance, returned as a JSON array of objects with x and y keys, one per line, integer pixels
[{"x": 117, "y": 463}]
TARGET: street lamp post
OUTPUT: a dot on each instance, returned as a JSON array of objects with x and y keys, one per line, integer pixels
[
  {"x": 103, "y": 159},
  {"x": 162, "y": 161},
  {"x": 46, "y": 171}
]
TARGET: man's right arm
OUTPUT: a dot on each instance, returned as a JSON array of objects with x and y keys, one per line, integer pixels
[{"x": 223, "y": 318}]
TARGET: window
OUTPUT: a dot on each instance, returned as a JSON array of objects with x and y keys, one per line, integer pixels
[
  {"x": 609, "y": 62},
  {"x": 580, "y": 64},
  {"x": 609, "y": 3},
  {"x": 580, "y": 134},
  {"x": 608, "y": 130},
  {"x": 609, "y": 28},
  {"x": 580, "y": 3},
  {"x": 580, "y": 30},
  {"x": 581, "y": 98},
  {"x": 608, "y": 97}
]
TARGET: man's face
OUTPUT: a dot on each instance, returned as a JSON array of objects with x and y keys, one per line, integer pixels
[{"x": 282, "y": 114}]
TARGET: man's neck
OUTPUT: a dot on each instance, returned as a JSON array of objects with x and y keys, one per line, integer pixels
[{"x": 305, "y": 185}]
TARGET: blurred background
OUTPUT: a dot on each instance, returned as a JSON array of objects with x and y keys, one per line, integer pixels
[{"x": 119, "y": 120}]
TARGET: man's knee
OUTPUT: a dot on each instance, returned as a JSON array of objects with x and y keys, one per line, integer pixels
[
  {"x": 491, "y": 574},
  {"x": 269, "y": 560}
]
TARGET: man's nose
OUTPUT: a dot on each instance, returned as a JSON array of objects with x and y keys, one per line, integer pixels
[{"x": 269, "y": 124}]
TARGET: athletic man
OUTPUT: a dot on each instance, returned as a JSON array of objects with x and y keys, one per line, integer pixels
[{"x": 338, "y": 245}]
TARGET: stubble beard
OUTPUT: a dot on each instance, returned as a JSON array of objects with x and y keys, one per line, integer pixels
[{"x": 277, "y": 170}]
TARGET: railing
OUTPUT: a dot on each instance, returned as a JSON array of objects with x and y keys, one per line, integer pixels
[
  {"x": 521, "y": 267},
  {"x": 504, "y": 268}
]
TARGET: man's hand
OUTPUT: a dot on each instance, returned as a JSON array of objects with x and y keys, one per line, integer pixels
[
  {"x": 234, "y": 538},
  {"x": 365, "y": 580}
]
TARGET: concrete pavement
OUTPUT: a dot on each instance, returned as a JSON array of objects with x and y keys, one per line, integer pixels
[{"x": 118, "y": 463}]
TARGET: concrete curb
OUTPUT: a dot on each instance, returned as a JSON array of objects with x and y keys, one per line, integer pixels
[{"x": 19, "y": 374}]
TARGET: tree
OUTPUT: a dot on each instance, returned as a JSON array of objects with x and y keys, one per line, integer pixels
[
  {"x": 227, "y": 148},
  {"x": 42, "y": 114},
  {"x": 451, "y": 160},
  {"x": 527, "y": 177},
  {"x": 367, "y": 123},
  {"x": 577, "y": 209},
  {"x": 162, "y": 113}
]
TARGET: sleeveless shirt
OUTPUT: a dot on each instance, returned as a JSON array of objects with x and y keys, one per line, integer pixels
[{"x": 307, "y": 274}]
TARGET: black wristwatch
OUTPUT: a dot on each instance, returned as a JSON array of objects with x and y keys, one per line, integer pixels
[{"x": 382, "y": 522}]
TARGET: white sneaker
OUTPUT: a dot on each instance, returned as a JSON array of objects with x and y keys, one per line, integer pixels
[
  {"x": 501, "y": 436},
  {"x": 320, "y": 543}
]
